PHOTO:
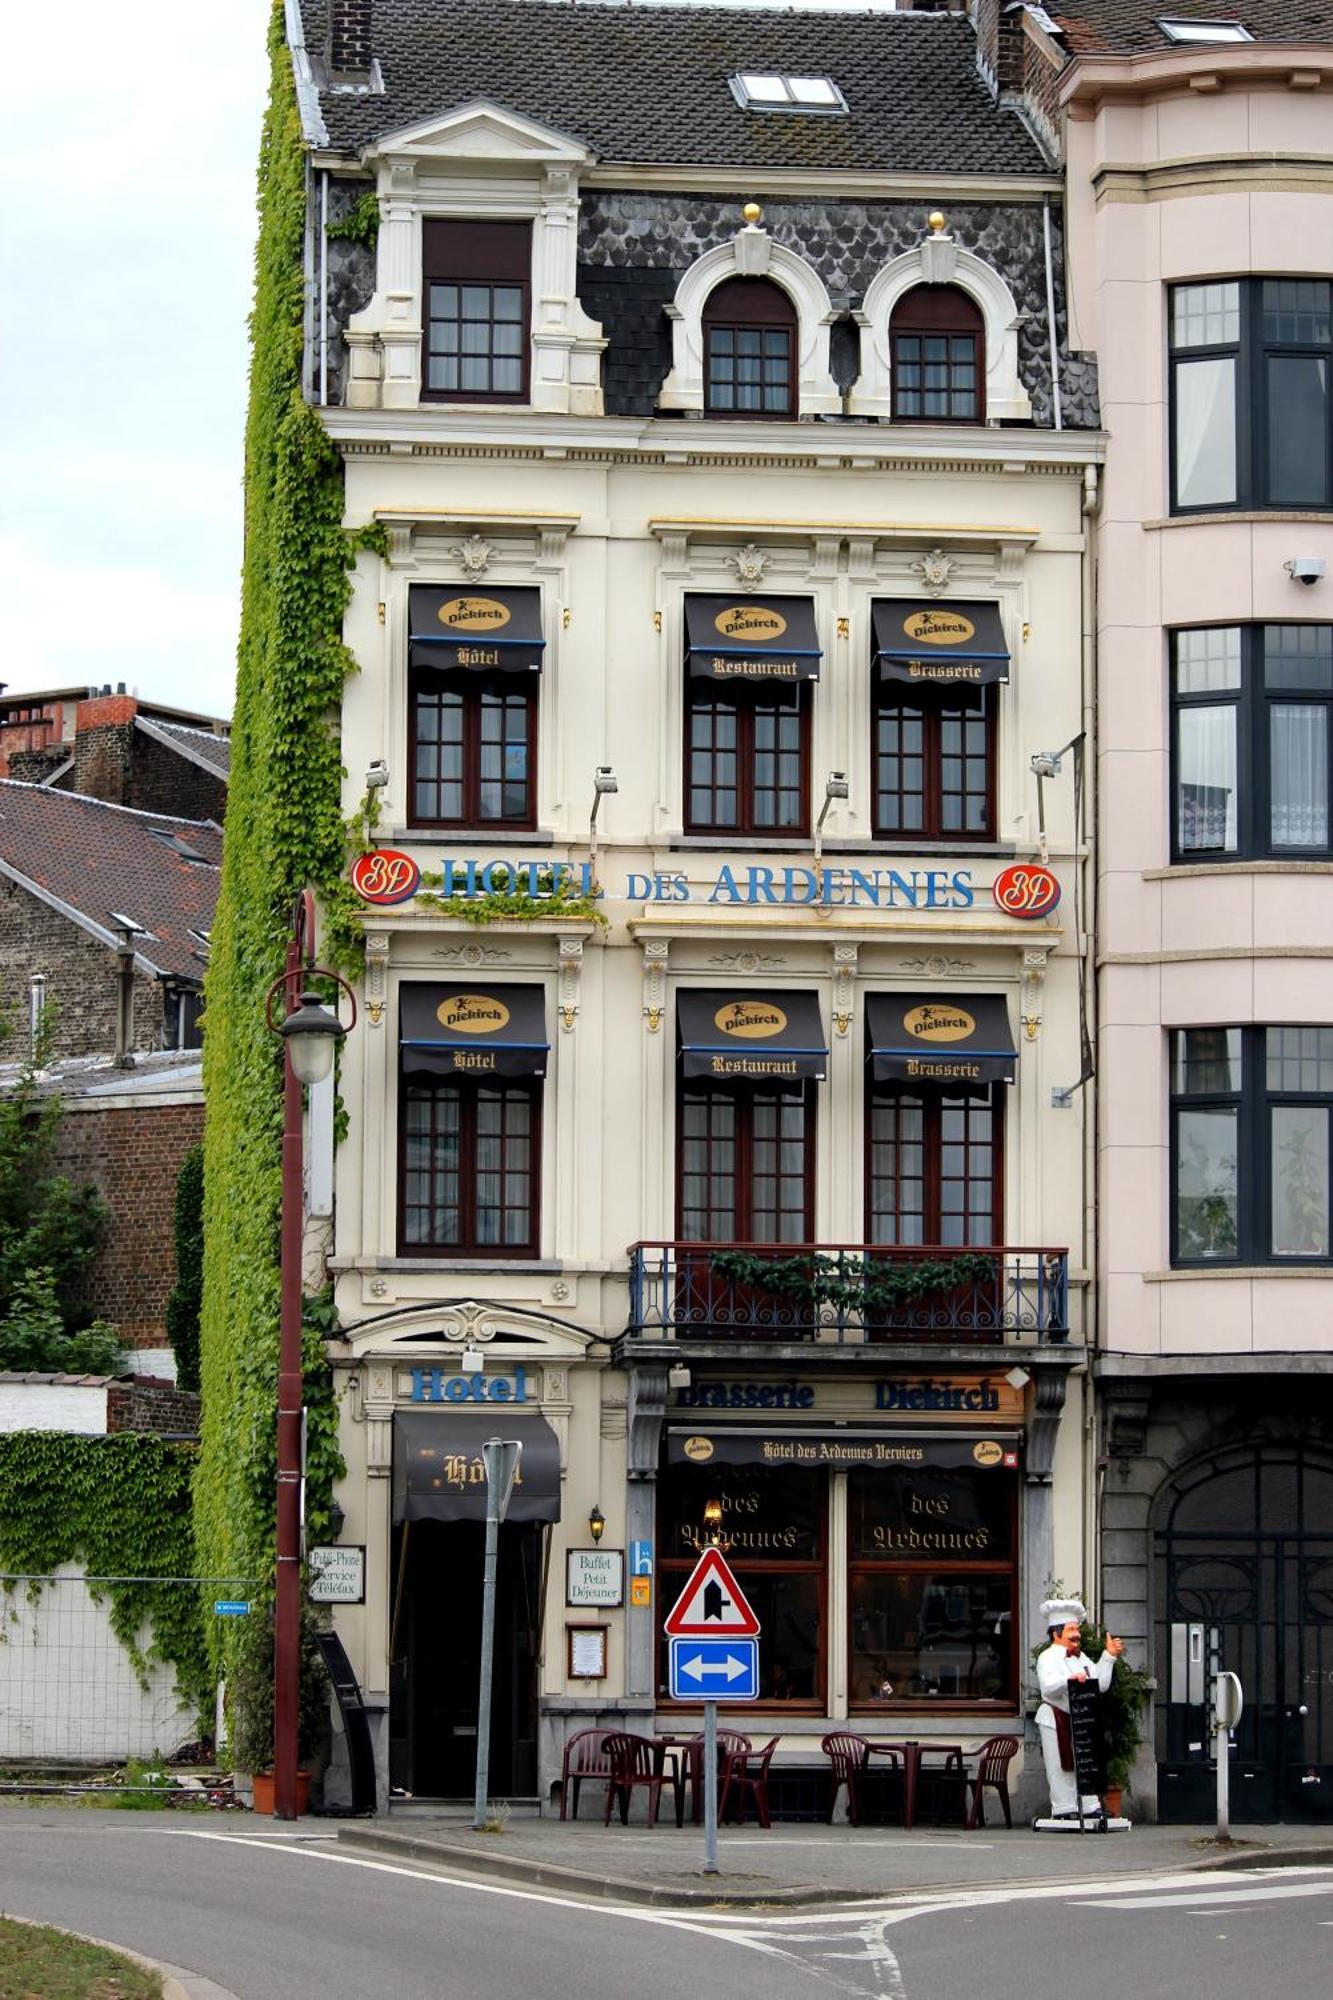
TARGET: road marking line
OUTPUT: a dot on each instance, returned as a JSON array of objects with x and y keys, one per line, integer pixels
[{"x": 1264, "y": 1892}]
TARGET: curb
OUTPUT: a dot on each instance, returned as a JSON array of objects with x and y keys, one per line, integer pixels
[
  {"x": 177, "y": 1983},
  {"x": 573, "y": 1881}
]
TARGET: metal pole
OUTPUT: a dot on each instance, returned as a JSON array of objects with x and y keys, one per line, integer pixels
[
  {"x": 487, "y": 1655},
  {"x": 1222, "y": 1745},
  {"x": 710, "y": 1788},
  {"x": 287, "y": 1607}
]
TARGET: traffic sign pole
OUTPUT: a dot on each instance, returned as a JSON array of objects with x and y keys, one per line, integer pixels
[
  {"x": 710, "y": 1788},
  {"x": 714, "y": 1637}
]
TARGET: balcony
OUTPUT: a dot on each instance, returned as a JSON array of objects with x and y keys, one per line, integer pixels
[{"x": 847, "y": 1294}]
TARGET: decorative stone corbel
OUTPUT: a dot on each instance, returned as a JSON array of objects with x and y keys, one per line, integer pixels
[
  {"x": 571, "y": 968},
  {"x": 377, "y": 973},
  {"x": 749, "y": 564},
  {"x": 474, "y": 554},
  {"x": 655, "y": 953},
  {"x": 1034, "y": 979},
  {"x": 1048, "y": 1402},
  {"x": 402, "y": 545},
  {"x": 934, "y": 569},
  {"x": 646, "y": 1411},
  {"x": 550, "y": 548},
  {"x": 844, "y": 974}
]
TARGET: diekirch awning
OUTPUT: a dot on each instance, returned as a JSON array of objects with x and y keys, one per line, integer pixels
[
  {"x": 482, "y": 629},
  {"x": 439, "y": 1473},
  {"x": 926, "y": 642},
  {"x": 752, "y": 638},
  {"x": 473, "y": 1030},
  {"x": 960, "y": 1040},
  {"x": 739, "y": 1036}
]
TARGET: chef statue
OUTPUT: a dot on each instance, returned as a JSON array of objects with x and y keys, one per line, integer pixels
[{"x": 1063, "y": 1661}]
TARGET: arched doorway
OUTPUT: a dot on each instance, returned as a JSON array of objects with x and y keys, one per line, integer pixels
[{"x": 1243, "y": 1564}]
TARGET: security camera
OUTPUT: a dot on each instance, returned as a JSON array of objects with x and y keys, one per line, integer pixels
[
  {"x": 1045, "y": 764},
  {"x": 1305, "y": 569},
  {"x": 377, "y": 775}
]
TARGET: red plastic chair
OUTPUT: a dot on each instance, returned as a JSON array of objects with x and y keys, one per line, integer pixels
[
  {"x": 847, "y": 1754},
  {"x": 634, "y": 1761},
  {"x": 730, "y": 1743},
  {"x": 994, "y": 1759},
  {"x": 585, "y": 1757},
  {"x": 747, "y": 1770}
]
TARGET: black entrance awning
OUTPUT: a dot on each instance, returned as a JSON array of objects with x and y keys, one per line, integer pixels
[
  {"x": 843, "y": 1449},
  {"x": 485, "y": 629},
  {"x": 926, "y": 642},
  {"x": 473, "y": 1030},
  {"x": 960, "y": 1040},
  {"x": 752, "y": 638},
  {"x": 439, "y": 1473},
  {"x": 731, "y": 1036}
]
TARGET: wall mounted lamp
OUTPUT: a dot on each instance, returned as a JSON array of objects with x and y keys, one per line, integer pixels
[
  {"x": 604, "y": 780},
  {"x": 835, "y": 787},
  {"x": 596, "y": 1523}
]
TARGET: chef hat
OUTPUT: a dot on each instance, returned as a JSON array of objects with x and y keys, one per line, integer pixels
[{"x": 1063, "y": 1611}]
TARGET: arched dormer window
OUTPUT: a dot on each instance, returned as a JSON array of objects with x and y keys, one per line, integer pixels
[
  {"x": 938, "y": 341},
  {"x": 750, "y": 339},
  {"x": 750, "y": 266},
  {"x": 939, "y": 266}
]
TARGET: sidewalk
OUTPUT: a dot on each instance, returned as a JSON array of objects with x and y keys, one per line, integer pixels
[{"x": 807, "y": 1864}]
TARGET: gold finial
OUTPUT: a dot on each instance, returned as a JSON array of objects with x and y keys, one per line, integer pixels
[
  {"x": 752, "y": 213},
  {"x": 937, "y": 220}
]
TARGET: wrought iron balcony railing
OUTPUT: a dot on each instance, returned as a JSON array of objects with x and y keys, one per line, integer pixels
[{"x": 840, "y": 1292}]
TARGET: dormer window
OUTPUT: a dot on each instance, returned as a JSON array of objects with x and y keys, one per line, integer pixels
[
  {"x": 477, "y": 287},
  {"x": 938, "y": 340},
  {"x": 750, "y": 331},
  {"x": 763, "y": 91}
]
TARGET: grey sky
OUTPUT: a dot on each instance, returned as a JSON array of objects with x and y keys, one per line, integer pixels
[{"x": 128, "y": 147}]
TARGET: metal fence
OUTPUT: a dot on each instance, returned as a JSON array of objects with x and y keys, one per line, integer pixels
[{"x": 84, "y": 1705}]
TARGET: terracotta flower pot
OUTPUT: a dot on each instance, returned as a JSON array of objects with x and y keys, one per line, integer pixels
[
  {"x": 1113, "y": 1798},
  {"x": 262, "y": 1797}
]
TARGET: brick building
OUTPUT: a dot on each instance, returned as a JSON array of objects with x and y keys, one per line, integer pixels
[{"x": 115, "y": 747}]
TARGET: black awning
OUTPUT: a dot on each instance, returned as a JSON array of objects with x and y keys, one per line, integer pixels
[
  {"x": 752, "y": 638},
  {"x": 960, "y": 1040},
  {"x": 926, "y": 642},
  {"x": 473, "y": 1030},
  {"x": 439, "y": 1473},
  {"x": 730, "y": 1036},
  {"x": 843, "y": 1450},
  {"x": 483, "y": 629}
]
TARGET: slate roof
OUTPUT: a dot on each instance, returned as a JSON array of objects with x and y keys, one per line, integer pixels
[
  {"x": 647, "y": 84},
  {"x": 201, "y": 746},
  {"x": 97, "y": 858},
  {"x": 1129, "y": 27}
]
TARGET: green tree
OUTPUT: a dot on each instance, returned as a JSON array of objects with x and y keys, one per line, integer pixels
[
  {"x": 47, "y": 1223},
  {"x": 188, "y": 1292}
]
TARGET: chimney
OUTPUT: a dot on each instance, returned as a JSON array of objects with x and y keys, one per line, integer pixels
[
  {"x": 126, "y": 931},
  {"x": 103, "y": 740},
  {"x": 349, "y": 48}
]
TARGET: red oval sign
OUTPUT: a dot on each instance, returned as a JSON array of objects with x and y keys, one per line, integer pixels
[
  {"x": 385, "y": 876},
  {"x": 1026, "y": 889}
]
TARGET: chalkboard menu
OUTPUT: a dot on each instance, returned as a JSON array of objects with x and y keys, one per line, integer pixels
[{"x": 1085, "y": 1728}]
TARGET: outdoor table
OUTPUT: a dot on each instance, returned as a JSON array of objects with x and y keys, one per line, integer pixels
[{"x": 912, "y": 1752}]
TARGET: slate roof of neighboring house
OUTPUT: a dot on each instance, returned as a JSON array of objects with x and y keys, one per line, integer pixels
[
  {"x": 96, "y": 858},
  {"x": 201, "y": 746},
  {"x": 1129, "y": 27},
  {"x": 647, "y": 84}
]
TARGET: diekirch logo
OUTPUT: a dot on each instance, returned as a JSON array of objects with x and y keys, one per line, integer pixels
[
  {"x": 939, "y": 628},
  {"x": 474, "y": 614},
  {"x": 750, "y": 624},
  {"x": 385, "y": 876},
  {"x": 1025, "y": 889},
  {"x": 939, "y": 1024},
  {"x": 699, "y": 1449},
  {"x": 750, "y": 1020},
  {"x": 988, "y": 1452},
  {"x": 472, "y": 1014}
]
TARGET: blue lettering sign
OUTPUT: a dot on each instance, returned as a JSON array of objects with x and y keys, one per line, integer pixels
[
  {"x": 437, "y": 1385},
  {"x": 757, "y": 884}
]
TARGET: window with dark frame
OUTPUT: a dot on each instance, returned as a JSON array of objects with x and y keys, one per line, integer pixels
[
  {"x": 1251, "y": 1127},
  {"x": 1252, "y": 712},
  {"x": 473, "y": 748},
  {"x": 477, "y": 287},
  {"x": 934, "y": 1166},
  {"x": 1251, "y": 362},
  {"x": 933, "y": 755},
  {"x": 745, "y": 1164},
  {"x": 750, "y": 337},
  {"x": 747, "y": 753},
  {"x": 470, "y": 1167},
  {"x": 937, "y": 341}
]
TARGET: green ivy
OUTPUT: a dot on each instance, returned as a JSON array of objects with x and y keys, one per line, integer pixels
[
  {"x": 121, "y": 1507},
  {"x": 284, "y": 829},
  {"x": 187, "y": 1294},
  {"x": 851, "y": 1284},
  {"x": 361, "y": 224},
  {"x": 516, "y": 905},
  {"x": 47, "y": 1224}
]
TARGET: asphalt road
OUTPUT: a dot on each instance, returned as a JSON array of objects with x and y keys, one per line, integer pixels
[{"x": 271, "y": 1918}]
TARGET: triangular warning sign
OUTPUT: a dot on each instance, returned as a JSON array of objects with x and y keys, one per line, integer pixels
[{"x": 712, "y": 1603}]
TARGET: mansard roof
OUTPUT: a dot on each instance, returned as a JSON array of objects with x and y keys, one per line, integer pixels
[{"x": 648, "y": 85}]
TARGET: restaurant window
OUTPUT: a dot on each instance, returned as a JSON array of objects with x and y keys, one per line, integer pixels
[
  {"x": 1251, "y": 1127},
  {"x": 1252, "y": 709},
  {"x": 474, "y": 667},
  {"x": 938, "y": 342},
  {"x": 935, "y": 1167},
  {"x": 749, "y": 667},
  {"x": 472, "y": 1061},
  {"x": 750, "y": 335},
  {"x": 774, "y": 1521},
  {"x": 932, "y": 1580},
  {"x": 934, "y": 763},
  {"x": 477, "y": 286},
  {"x": 1251, "y": 399}
]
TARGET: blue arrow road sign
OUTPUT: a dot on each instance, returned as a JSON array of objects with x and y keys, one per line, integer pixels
[
  {"x": 232, "y": 1607},
  {"x": 714, "y": 1669}
]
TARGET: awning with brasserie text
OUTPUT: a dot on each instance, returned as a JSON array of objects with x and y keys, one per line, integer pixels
[
  {"x": 929, "y": 643},
  {"x": 959, "y": 1040},
  {"x": 735, "y": 1035},
  {"x": 746, "y": 638},
  {"x": 844, "y": 1449},
  {"x": 473, "y": 1030},
  {"x": 439, "y": 1473},
  {"x": 486, "y": 630}
]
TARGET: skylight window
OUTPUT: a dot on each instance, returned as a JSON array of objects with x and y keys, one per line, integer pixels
[
  {"x": 1205, "y": 31},
  {"x": 761, "y": 91}
]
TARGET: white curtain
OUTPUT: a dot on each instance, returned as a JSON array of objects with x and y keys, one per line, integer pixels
[
  {"x": 1298, "y": 766},
  {"x": 1206, "y": 791}
]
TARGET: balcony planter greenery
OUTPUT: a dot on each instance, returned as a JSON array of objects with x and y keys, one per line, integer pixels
[{"x": 851, "y": 1284}]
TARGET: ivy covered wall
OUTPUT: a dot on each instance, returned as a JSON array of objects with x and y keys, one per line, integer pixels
[{"x": 284, "y": 829}]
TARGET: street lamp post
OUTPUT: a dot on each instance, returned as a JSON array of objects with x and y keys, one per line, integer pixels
[{"x": 311, "y": 1034}]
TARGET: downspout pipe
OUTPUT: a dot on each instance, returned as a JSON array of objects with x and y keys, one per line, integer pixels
[
  {"x": 1057, "y": 409},
  {"x": 324, "y": 285}
]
